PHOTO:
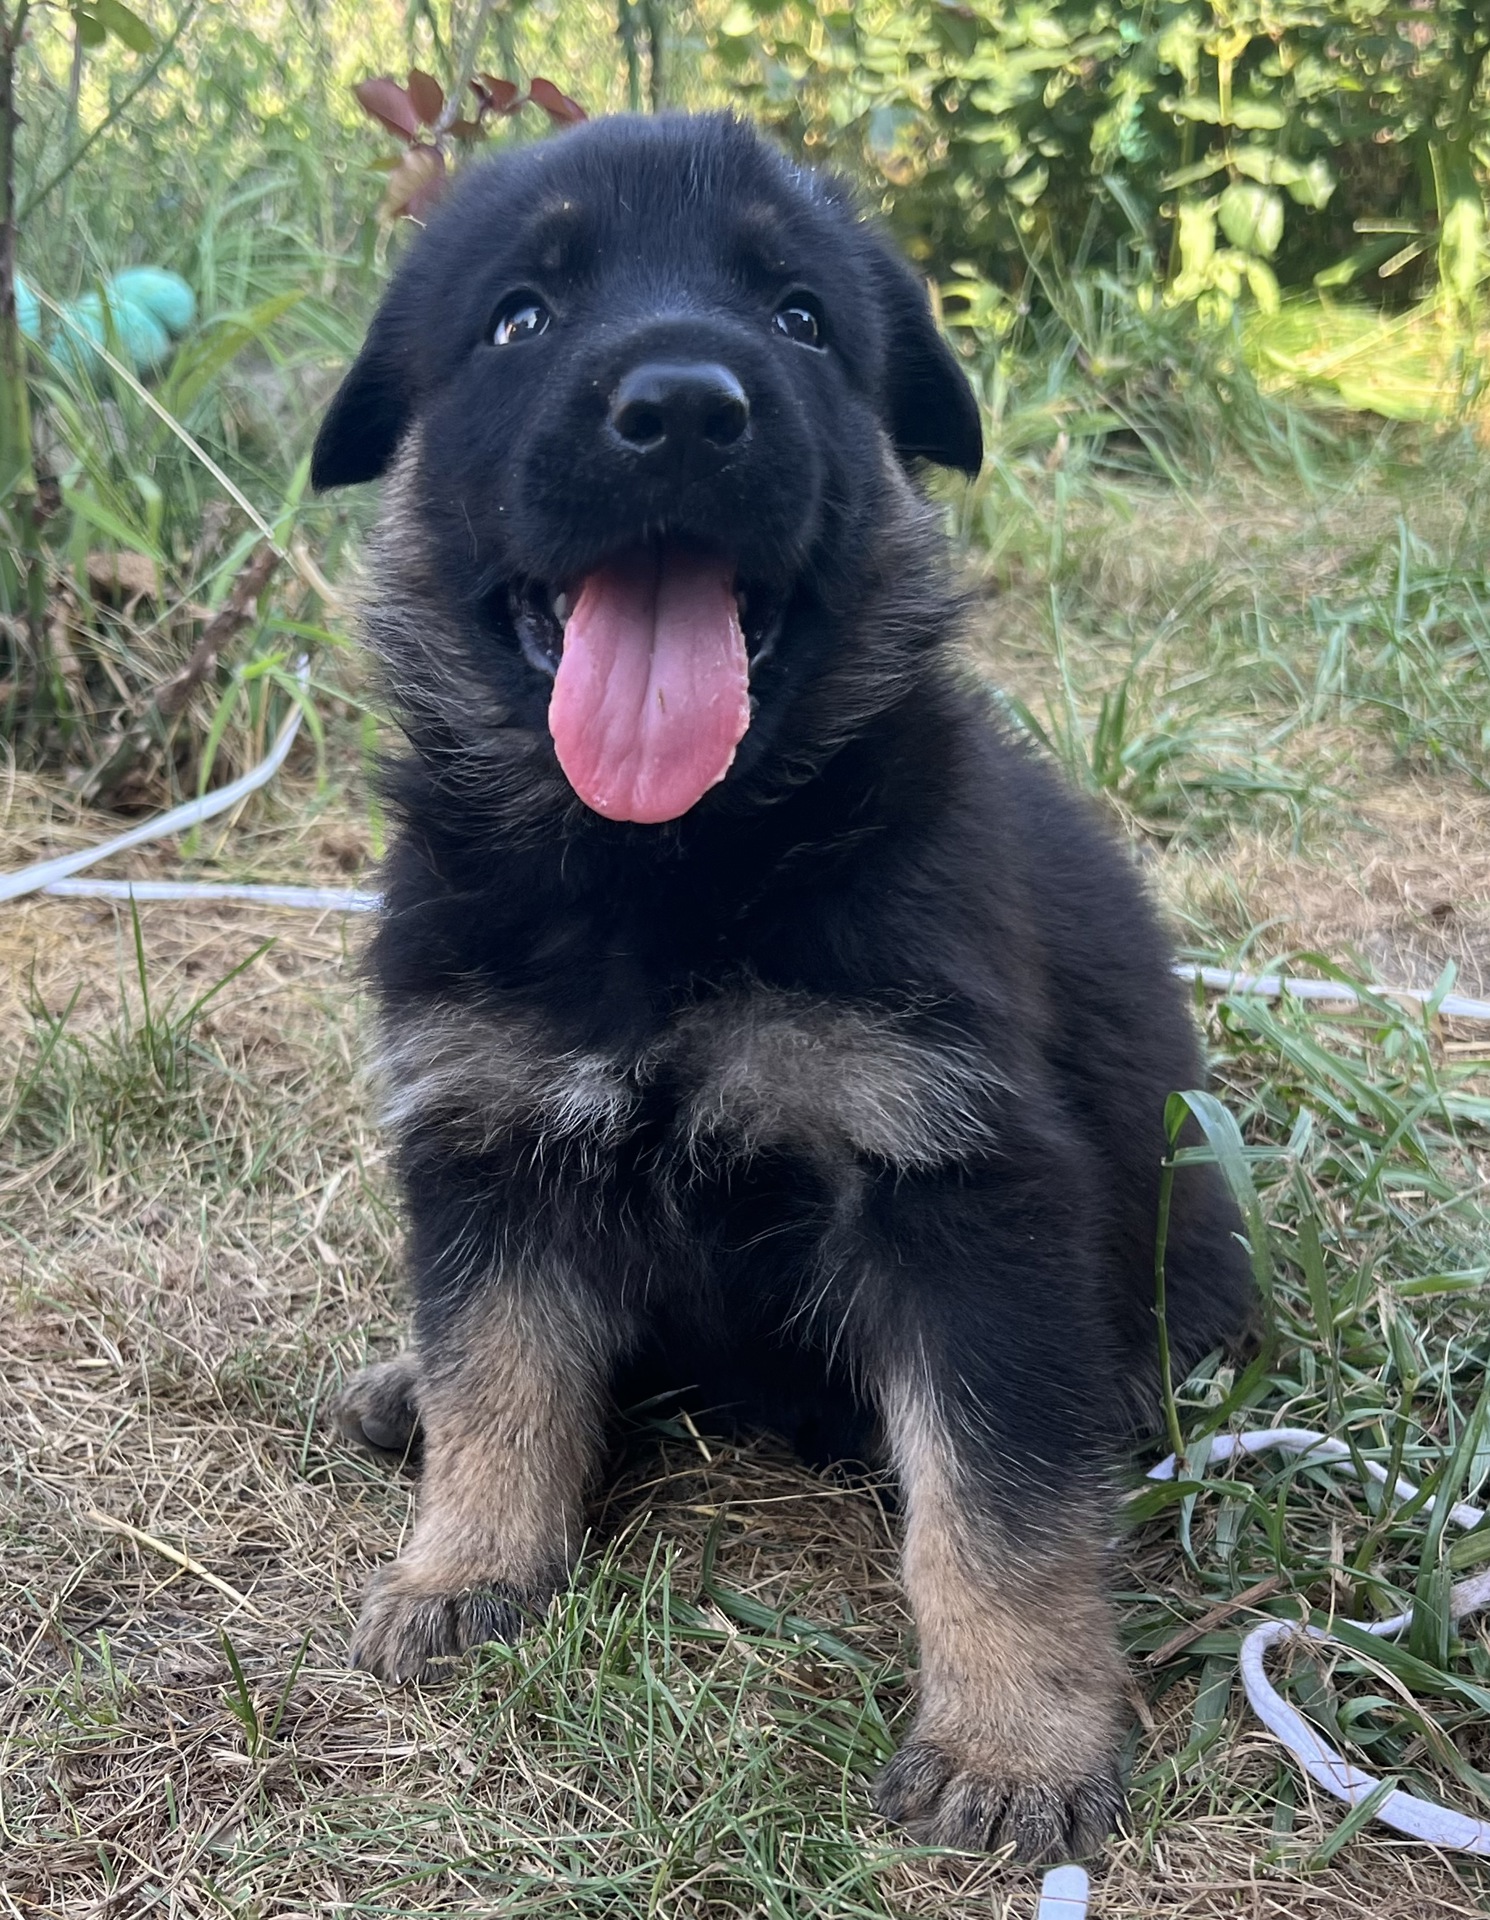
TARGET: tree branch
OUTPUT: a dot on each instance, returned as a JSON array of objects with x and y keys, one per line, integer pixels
[
  {"x": 465, "y": 68},
  {"x": 171, "y": 695}
]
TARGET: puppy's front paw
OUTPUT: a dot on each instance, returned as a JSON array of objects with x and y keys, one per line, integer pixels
[
  {"x": 411, "y": 1621},
  {"x": 953, "y": 1791},
  {"x": 378, "y": 1408}
]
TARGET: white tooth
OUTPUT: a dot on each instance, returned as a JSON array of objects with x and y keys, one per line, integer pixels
[{"x": 561, "y": 608}]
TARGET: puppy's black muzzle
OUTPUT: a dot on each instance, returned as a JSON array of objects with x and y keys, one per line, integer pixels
[
  {"x": 682, "y": 427},
  {"x": 680, "y": 416}
]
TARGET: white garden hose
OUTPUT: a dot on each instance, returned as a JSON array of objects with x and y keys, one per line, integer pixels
[
  {"x": 318, "y": 899},
  {"x": 1064, "y": 1893},
  {"x": 1422, "y": 1819},
  {"x": 54, "y": 876},
  {"x": 1272, "y": 985},
  {"x": 191, "y": 813}
]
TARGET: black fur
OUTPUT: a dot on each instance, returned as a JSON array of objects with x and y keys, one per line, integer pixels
[{"x": 881, "y": 856}]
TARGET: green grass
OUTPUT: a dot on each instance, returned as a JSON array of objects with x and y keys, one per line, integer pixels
[{"x": 145, "y": 1081}]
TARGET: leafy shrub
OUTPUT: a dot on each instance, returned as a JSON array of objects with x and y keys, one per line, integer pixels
[{"x": 1241, "y": 144}]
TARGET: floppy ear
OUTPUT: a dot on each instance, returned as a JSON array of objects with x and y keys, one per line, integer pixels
[
  {"x": 368, "y": 414},
  {"x": 932, "y": 412}
]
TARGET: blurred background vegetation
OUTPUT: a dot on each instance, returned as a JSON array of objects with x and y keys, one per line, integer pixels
[{"x": 1145, "y": 220}]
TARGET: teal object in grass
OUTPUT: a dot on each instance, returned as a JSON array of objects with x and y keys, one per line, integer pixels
[
  {"x": 134, "y": 317},
  {"x": 79, "y": 329},
  {"x": 28, "y": 309},
  {"x": 138, "y": 337},
  {"x": 166, "y": 295}
]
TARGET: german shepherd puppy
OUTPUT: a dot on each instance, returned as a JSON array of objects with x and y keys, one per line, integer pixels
[{"x": 758, "y": 1019}]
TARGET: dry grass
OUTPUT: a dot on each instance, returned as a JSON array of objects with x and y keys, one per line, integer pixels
[
  {"x": 170, "y": 1342},
  {"x": 1404, "y": 893},
  {"x": 691, "y": 1732},
  {"x": 170, "y": 1345}
]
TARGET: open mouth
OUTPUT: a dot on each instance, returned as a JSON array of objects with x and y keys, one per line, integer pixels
[
  {"x": 651, "y": 655},
  {"x": 541, "y": 615}
]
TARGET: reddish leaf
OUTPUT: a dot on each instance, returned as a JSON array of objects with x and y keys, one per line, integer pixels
[
  {"x": 497, "y": 96},
  {"x": 387, "y": 102},
  {"x": 415, "y": 184},
  {"x": 563, "y": 111},
  {"x": 464, "y": 129},
  {"x": 427, "y": 95}
]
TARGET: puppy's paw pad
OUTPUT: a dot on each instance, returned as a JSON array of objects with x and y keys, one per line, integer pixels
[
  {"x": 407, "y": 1629},
  {"x": 378, "y": 1408},
  {"x": 949, "y": 1798}
]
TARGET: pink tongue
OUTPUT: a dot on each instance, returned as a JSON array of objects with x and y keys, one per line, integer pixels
[{"x": 652, "y": 695}]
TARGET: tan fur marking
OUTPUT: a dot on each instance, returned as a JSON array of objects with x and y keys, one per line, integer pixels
[
  {"x": 1020, "y": 1675},
  {"x": 769, "y": 1067},
  {"x": 511, "y": 1420},
  {"x": 511, "y": 1406},
  {"x": 757, "y": 1067},
  {"x": 486, "y": 1074}
]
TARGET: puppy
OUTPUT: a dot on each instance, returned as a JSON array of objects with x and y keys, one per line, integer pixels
[{"x": 758, "y": 1019}]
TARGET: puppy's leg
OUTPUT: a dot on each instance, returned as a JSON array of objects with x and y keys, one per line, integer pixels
[
  {"x": 511, "y": 1397},
  {"x": 980, "y": 1332},
  {"x": 1020, "y": 1693},
  {"x": 378, "y": 1408}
]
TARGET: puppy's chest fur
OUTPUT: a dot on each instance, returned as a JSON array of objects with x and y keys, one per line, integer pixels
[{"x": 744, "y": 1070}]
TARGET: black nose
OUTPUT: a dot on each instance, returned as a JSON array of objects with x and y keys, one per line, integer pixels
[{"x": 660, "y": 408}]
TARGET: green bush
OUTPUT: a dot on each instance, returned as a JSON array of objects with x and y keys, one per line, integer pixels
[{"x": 1235, "y": 143}]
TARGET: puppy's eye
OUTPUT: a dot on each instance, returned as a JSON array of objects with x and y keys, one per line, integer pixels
[
  {"x": 797, "y": 321},
  {"x": 521, "y": 319}
]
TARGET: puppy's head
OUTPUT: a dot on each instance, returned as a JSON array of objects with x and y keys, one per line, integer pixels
[{"x": 646, "y": 377}]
